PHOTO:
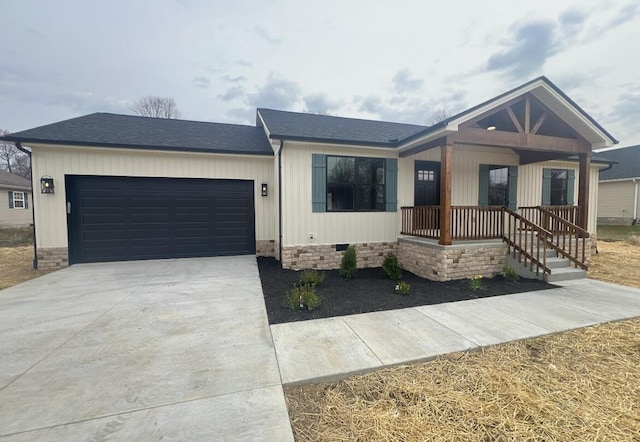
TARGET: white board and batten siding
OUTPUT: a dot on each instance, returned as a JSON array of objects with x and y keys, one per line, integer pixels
[
  {"x": 50, "y": 209},
  {"x": 299, "y": 221}
]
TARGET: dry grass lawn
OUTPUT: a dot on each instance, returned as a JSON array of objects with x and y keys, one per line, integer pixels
[
  {"x": 17, "y": 266},
  {"x": 578, "y": 385}
]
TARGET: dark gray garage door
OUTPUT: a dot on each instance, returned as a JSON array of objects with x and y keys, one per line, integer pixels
[{"x": 124, "y": 218}]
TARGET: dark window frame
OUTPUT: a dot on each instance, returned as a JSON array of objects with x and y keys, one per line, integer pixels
[
  {"x": 559, "y": 187},
  {"x": 358, "y": 188},
  {"x": 492, "y": 185}
]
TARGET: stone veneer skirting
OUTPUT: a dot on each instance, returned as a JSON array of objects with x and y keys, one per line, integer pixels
[
  {"x": 53, "y": 258},
  {"x": 265, "y": 247},
  {"x": 325, "y": 256},
  {"x": 428, "y": 259}
]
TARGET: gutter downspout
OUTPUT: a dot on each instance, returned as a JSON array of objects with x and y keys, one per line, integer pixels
[
  {"x": 635, "y": 203},
  {"x": 33, "y": 204},
  {"x": 280, "y": 201}
]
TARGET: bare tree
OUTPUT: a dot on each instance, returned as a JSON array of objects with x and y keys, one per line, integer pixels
[
  {"x": 155, "y": 106},
  {"x": 13, "y": 159},
  {"x": 437, "y": 116}
]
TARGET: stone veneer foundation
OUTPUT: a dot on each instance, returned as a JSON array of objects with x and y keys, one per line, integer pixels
[
  {"x": 428, "y": 259},
  {"x": 53, "y": 258},
  {"x": 265, "y": 247},
  {"x": 325, "y": 256}
]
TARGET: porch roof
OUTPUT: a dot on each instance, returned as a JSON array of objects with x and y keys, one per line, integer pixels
[{"x": 543, "y": 90}]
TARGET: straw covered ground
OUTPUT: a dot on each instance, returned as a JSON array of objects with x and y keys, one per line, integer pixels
[
  {"x": 16, "y": 266},
  {"x": 578, "y": 385}
]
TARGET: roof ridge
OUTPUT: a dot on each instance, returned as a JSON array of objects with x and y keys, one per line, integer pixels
[{"x": 340, "y": 117}]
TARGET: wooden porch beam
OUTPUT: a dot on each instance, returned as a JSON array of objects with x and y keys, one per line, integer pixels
[
  {"x": 422, "y": 147},
  {"x": 446, "y": 160},
  {"x": 514, "y": 120},
  {"x": 583, "y": 189},
  {"x": 532, "y": 142},
  {"x": 539, "y": 123}
]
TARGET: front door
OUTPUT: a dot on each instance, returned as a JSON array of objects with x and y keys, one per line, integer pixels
[{"x": 427, "y": 184}]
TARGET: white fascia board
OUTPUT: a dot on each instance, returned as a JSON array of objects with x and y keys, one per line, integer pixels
[{"x": 617, "y": 180}]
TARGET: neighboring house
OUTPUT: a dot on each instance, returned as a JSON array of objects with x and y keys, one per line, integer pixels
[
  {"x": 301, "y": 187},
  {"x": 15, "y": 201},
  {"x": 618, "y": 198}
]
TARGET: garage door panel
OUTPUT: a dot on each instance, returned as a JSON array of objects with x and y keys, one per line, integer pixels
[{"x": 126, "y": 218}]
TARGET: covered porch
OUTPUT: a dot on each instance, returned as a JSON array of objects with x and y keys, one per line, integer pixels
[{"x": 533, "y": 127}]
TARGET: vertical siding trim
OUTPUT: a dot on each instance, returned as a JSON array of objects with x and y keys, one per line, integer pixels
[
  {"x": 319, "y": 183},
  {"x": 391, "y": 184}
]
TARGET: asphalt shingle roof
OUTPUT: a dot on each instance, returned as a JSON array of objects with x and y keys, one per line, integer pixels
[
  {"x": 113, "y": 130},
  {"x": 13, "y": 181},
  {"x": 313, "y": 127},
  {"x": 628, "y": 159}
]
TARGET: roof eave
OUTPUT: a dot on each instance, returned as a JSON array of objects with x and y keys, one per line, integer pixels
[
  {"x": 142, "y": 147},
  {"x": 374, "y": 144}
]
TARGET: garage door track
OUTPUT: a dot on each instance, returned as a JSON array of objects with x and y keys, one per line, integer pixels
[{"x": 147, "y": 350}]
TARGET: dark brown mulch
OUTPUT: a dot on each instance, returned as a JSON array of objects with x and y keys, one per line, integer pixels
[{"x": 370, "y": 291}]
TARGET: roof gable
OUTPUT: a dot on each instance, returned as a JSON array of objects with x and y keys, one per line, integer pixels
[
  {"x": 628, "y": 159},
  {"x": 114, "y": 130},
  {"x": 544, "y": 91}
]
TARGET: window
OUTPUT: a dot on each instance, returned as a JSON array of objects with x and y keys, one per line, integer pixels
[
  {"x": 498, "y": 186},
  {"x": 355, "y": 184},
  {"x": 558, "y": 187},
  {"x": 18, "y": 200},
  {"x": 426, "y": 175},
  {"x": 558, "y": 196}
]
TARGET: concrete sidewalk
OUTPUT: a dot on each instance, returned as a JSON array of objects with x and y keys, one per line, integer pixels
[{"x": 330, "y": 349}]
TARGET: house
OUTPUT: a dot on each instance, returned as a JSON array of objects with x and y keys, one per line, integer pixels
[
  {"x": 512, "y": 174},
  {"x": 618, "y": 196},
  {"x": 15, "y": 200}
]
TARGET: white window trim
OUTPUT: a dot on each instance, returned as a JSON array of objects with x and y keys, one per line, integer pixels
[{"x": 19, "y": 200}]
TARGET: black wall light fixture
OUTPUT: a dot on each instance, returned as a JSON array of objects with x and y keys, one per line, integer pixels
[
  {"x": 46, "y": 185},
  {"x": 265, "y": 189}
]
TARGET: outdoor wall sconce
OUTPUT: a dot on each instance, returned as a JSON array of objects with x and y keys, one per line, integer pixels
[
  {"x": 46, "y": 185},
  {"x": 265, "y": 190}
]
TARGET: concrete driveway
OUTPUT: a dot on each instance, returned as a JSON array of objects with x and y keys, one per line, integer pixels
[{"x": 146, "y": 350}]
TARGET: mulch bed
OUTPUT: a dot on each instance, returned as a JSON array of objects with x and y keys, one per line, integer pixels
[{"x": 370, "y": 291}]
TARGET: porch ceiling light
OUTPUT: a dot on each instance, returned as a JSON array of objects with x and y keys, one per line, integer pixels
[
  {"x": 491, "y": 128},
  {"x": 46, "y": 185}
]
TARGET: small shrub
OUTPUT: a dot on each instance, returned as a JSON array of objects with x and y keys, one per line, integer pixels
[
  {"x": 475, "y": 283},
  {"x": 510, "y": 274},
  {"x": 391, "y": 266},
  {"x": 311, "y": 277},
  {"x": 301, "y": 297},
  {"x": 348, "y": 266},
  {"x": 403, "y": 288}
]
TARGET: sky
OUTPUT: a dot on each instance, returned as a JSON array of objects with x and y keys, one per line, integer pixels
[{"x": 401, "y": 60}]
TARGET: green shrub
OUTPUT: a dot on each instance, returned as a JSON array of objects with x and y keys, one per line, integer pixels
[
  {"x": 348, "y": 266},
  {"x": 301, "y": 297},
  {"x": 311, "y": 277},
  {"x": 391, "y": 266},
  {"x": 510, "y": 274},
  {"x": 403, "y": 288},
  {"x": 475, "y": 283}
]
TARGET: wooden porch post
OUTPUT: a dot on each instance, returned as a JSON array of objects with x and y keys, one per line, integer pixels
[
  {"x": 445, "y": 193},
  {"x": 583, "y": 189}
]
